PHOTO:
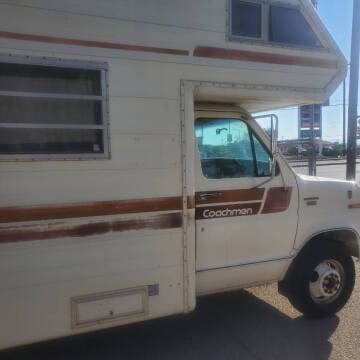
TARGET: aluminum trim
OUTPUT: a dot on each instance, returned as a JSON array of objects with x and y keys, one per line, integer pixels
[{"x": 243, "y": 264}]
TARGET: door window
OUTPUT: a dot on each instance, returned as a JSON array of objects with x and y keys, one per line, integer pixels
[{"x": 229, "y": 149}]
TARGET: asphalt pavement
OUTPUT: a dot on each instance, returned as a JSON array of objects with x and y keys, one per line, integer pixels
[{"x": 252, "y": 324}]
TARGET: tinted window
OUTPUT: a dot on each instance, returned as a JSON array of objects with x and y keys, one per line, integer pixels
[
  {"x": 263, "y": 159},
  {"x": 246, "y": 19},
  {"x": 47, "y": 111},
  {"x": 50, "y": 141},
  {"x": 288, "y": 26},
  {"x": 47, "y": 79},
  {"x": 225, "y": 148}
]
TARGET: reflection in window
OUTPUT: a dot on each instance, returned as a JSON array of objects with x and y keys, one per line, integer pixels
[
  {"x": 246, "y": 19},
  {"x": 263, "y": 159},
  {"x": 288, "y": 26},
  {"x": 227, "y": 149}
]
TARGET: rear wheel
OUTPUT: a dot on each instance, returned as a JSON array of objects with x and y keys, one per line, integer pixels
[{"x": 322, "y": 280}]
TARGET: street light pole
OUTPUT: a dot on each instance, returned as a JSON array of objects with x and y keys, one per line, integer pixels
[{"x": 353, "y": 92}]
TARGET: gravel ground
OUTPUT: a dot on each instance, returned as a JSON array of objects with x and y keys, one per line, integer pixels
[{"x": 251, "y": 324}]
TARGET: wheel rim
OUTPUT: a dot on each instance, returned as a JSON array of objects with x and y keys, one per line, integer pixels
[{"x": 327, "y": 281}]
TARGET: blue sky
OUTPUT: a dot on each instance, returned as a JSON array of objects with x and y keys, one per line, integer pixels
[{"x": 337, "y": 17}]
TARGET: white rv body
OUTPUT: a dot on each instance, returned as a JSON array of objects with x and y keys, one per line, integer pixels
[{"x": 91, "y": 243}]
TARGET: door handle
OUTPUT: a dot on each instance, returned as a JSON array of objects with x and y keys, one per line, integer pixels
[{"x": 210, "y": 195}]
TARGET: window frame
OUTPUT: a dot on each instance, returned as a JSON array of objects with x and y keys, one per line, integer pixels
[
  {"x": 103, "y": 97},
  {"x": 265, "y": 23}
]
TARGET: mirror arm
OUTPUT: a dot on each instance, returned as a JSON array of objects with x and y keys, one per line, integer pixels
[{"x": 274, "y": 149}]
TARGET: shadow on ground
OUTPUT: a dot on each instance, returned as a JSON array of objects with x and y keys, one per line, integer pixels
[{"x": 228, "y": 326}]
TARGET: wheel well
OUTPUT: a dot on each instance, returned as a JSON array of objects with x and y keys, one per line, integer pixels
[{"x": 346, "y": 237}]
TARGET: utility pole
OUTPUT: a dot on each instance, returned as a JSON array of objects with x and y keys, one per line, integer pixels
[
  {"x": 353, "y": 93},
  {"x": 312, "y": 157},
  {"x": 344, "y": 118}
]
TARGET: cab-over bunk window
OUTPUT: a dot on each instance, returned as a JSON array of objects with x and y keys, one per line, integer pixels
[
  {"x": 52, "y": 109},
  {"x": 272, "y": 22}
]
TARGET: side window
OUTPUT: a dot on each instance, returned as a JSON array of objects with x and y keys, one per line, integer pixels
[
  {"x": 288, "y": 26},
  {"x": 246, "y": 19},
  {"x": 52, "y": 109},
  {"x": 262, "y": 158},
  {"x": 229, "y": 150},
  {"x": 271, "y": 22}
]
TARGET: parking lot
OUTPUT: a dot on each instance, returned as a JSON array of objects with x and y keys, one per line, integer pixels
[{"x": 252, "y": 324}]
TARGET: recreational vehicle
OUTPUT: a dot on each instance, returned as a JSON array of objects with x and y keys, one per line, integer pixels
[{"x": 134, "y": 178}]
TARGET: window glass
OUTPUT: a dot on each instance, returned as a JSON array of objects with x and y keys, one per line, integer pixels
[
  {"x": 50, "y": 141},
  {"x": 263, "y": 159},
  {"x": 246, "y": 19},
  {"x": 29, "y": 110},
  {"x": 225, "y": 148},
  {"x": 49, "y": 111},
  {"x": 49, "y": 79},
  {"x": 288, "y": 26}
]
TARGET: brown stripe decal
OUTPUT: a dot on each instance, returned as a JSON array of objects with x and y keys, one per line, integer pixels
[
  {"x": 277, "y": 200},
  {"x": 35, "y": 213},
  {"x": 222, "y": 211},
  {"x": 54, "y": 231},
  {"x": 90, "y": 43},
  {"x": 191, "y": 202},
  {"x": 223, "y": 196},
  {"x": 240, "y": 55}
]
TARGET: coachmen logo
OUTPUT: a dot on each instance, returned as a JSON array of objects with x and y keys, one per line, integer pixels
[{"x": 228, "y": 211}]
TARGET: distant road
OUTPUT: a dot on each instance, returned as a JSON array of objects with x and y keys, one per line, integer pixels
[{"x": 331, "y": 168}]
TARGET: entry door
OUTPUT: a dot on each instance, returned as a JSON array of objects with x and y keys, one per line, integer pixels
[{"x": 240, "y": 218}]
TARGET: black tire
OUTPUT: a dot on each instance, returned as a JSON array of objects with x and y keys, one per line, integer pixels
[{"x": 322, "y": 279}]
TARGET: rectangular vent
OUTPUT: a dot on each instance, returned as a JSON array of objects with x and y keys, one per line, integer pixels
[{"x": 110, "y": 306}]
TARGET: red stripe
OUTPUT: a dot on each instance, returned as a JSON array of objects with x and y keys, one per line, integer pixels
[
  {"x": 252, "y": 56},
  {"x": 101, "y": 208},
  {"x": 56, "y": 231},
  {"x": 90, "y": 43},
  {"x": 223, "y": 196},
  {"x": 277, "y": 200}
]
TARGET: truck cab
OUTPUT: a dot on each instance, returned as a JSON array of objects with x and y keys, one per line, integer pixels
[{"x": 258, "y": 221}]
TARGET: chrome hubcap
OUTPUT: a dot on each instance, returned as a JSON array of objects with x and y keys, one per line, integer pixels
[{"x": 326, "y": 281}]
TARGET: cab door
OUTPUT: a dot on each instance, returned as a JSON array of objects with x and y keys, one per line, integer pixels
[{"x": 243, "y": 215}]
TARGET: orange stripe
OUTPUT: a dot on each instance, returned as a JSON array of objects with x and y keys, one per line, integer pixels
[
  {"x": 223, "y": 196},
  {"x": 240, "y": 55},
  {"x": 34, "y": 213},
  {"x": 90, "y": 43},
  {"x": 277, "y": 200},
  {"x": 54, "y": 231}
]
